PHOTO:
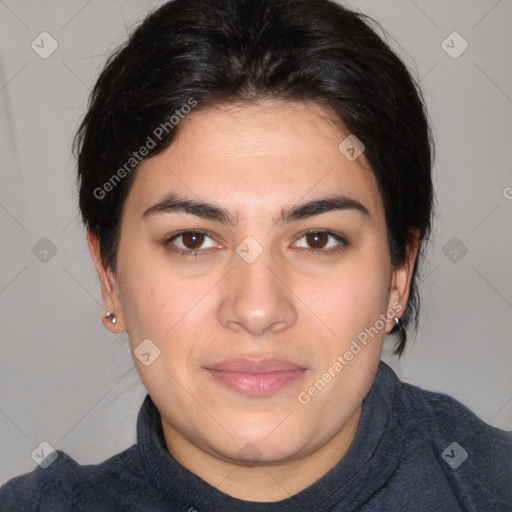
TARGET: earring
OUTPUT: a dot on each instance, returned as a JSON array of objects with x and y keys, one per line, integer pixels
[
  {"x": 112, "y": 316},
  {"x": 398, "y": 324}
]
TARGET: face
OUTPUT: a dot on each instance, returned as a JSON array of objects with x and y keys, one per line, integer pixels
[{"x": 253, "y": 256}]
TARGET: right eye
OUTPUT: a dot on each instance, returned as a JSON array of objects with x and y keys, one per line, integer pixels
[{"x": 189, "y": 243}]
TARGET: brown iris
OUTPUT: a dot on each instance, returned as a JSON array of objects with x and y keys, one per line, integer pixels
[
  {"x": 317, "y": 239},
  {"x": 192, "y": 240}
]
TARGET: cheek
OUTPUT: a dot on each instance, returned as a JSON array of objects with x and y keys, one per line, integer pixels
[
  {"x": 348, "y": 299},
  {"x": 165, "y": 311},
  {"x": 155, "y": 303},
  {"x": 349, "y": 303},
  {"x": 161, "y": 304}
]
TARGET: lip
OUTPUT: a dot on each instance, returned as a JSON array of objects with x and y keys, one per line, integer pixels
[
  {"x": 255, "y": 377},
  {"x": 248, "y": 365}
]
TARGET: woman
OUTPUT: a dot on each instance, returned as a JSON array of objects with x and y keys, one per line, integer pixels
[{"x": 255, "y": 179}]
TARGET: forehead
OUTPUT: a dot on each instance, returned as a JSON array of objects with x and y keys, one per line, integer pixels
[{"x": 255, "y": 157}]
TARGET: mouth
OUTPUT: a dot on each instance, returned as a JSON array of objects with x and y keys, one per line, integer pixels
[{"x": 255, "y": 377}]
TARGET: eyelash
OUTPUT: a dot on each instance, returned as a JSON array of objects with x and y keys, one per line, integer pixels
[{"x": 315, "y": 252}]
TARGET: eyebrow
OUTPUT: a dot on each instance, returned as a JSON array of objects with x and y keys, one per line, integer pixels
[{"x": 174, "y": 203}]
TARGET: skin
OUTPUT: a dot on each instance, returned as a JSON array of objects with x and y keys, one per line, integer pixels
[{"x": 290, "y": 303}]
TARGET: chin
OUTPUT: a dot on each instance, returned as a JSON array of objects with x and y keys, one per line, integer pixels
[
  {"x": 259, "y": 452},
  {"x": 262, "y": 445}
]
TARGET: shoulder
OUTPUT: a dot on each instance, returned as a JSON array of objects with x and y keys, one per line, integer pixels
[
  {"x": 65, "y": 485},
  {"x": 437, "y": 413},
  {"x": 475, "y": 457}
]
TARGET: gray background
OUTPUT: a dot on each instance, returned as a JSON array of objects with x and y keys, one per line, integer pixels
[{"x": 64, "y": 379}]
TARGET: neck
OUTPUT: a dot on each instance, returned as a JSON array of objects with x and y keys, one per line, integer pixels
[{"x": 265, "y": 481}]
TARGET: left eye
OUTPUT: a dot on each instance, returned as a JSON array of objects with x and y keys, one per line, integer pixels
[{"x": 320, "y": 240}]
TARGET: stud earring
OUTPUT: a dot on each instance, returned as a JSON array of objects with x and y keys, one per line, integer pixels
[{"x": 112, "y": 316}]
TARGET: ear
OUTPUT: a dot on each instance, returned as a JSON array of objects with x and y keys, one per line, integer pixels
[
  {"x": 109, "y": 288},
  {"x": 401, "y": 281}
]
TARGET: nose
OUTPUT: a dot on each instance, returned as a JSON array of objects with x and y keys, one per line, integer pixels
[{"x": 257, "y": 298}]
